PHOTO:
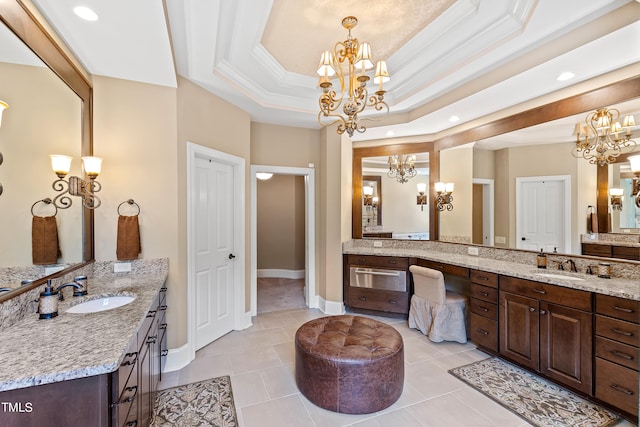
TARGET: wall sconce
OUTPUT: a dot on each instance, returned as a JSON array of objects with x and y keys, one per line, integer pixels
[
  {"x": 443, "y": 196},
  {"x": 616, "y": 198},
  {"x": 367, "y": 192},
  {"x": 635, "y": 168},
  {"x": 76, "y": 186},
  {"x": 422, "y": 195}
]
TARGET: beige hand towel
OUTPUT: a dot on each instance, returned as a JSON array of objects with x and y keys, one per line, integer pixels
[
  {"x": 128, "y": 239},
  {"x": 45, "y": 248}
]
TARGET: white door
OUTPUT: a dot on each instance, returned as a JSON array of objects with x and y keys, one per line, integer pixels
[
  {"x": 542, "y": 215},
  {"x": 214, "y": 250}
]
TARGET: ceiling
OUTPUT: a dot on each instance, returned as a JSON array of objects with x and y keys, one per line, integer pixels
[{"x": 467, "y": 58}]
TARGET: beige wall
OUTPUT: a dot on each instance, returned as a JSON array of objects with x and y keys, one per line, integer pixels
[
  {"x": 44, "y": 117},
  {"x": 456, "y": 165},
  {"x": 281, "y": 223}
]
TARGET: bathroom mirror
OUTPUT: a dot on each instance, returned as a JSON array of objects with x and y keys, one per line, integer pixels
[
  {"x": 371, "y": 203},
  {"x": 616, "y": 93},
  {"x": 35, "y": 68},
  {"x": 624, "y": 220}
]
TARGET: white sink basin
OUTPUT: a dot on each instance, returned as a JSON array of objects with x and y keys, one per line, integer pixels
[
  {"x": 101, "y": 304},
  {"x": 558, "y": 276}
]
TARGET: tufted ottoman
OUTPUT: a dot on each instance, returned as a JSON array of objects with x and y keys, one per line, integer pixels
[{"x": 349, "y": 364}]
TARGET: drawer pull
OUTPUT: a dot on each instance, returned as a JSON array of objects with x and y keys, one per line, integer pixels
[
  {"x": 151, "y": 313},
  {"x": 483, "y": 309},
  {"x": 163, "y": 289},
  {"x": 164, "y": 353},
  {"x": 625, "y": 333},
  {"x": 162, "y": 326},
  {"x": 132, "y": 360},
  {"x": 378, "y": 273},
  {"x": 625, "y": 310},
  {"x": 616, "y": 387},
  {"x": 362, "y": 298},
  {"x": 133, "y": 390},
  {"x": 484, "y": 294},
  {"x": 132, "y": 423},
  {"x": 392, "y": 261},
  {"x": 539, "y": 291},
  {"x": 622, "y": 355},
  {"x": 391, "y": 301},
  {"x": 162, "y": 308},
  {"x": 483, "y": 278},
  {"x": 483, "y": 332}
]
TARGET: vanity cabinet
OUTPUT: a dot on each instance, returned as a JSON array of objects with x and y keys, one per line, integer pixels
[
  {"x": 548, "y": 329},
  {"x": 483, "y": 310},
  {"x": 376, "y": 284},
  {"x": 616, "y": 350}
]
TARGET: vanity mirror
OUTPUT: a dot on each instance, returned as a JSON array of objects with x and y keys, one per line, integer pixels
[{"x": 50, "y": 113}]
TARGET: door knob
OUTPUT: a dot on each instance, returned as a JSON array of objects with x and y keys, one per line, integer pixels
[
  {"x": 524, "y": 238},
  {"x": 231, "y": 256}
]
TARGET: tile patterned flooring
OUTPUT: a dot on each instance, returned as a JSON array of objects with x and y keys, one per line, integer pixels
[{"x": 260, "y": 361}]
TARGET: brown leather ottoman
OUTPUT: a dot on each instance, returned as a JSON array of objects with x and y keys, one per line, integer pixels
[{"x": 349, "y": 364}]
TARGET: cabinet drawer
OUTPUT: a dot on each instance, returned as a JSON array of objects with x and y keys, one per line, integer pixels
[
  {"x": 568, "y": 297},
  {"x": 626, "y": 252},
  {"x": 596, "y": 250},
  {"x": 484, "y": 309},
  {"x": 391, "y": 301},
  {"x": 617, "y": 352},
  {"x": 617, "y": 385},
  {"x": 617, "y": 330},
  {"x": 484, "y": 278},
  {"x": 126, "y": 405},
  {"x": 379, "y": 261},
  {"x": 484, "y": 293},
  {"x": 126, "y": 367},
  {"x": 619, "y": 308},
  {"x": 445, "y": 268},
  {"x": 484, "y": 332}
]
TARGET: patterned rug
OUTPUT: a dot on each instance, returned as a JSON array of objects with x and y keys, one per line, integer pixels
[
  {"x": 534, "y": 399},
  {"x": 206, "y": 403}
]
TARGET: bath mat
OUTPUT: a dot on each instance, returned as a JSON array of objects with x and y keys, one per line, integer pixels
[
  {"x": 538, "y": 401},
  {"x": 205, "y": 403}
]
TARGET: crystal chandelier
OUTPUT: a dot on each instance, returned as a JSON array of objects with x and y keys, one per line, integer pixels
[
  {"x": 402, "y": 167},
  {"x": 598, "y": 140},
  {"x": 349, "y": 63}
]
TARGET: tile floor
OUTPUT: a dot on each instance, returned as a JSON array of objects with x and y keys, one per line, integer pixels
[{"x": 260, "y": 362}]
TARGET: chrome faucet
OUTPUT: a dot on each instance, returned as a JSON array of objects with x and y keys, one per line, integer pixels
[
  {"x": 77, "y": 290},
  {"x": 572, "y": 265}
]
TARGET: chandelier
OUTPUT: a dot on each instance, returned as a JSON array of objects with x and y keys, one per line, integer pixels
[
  {"x": 349, "y": 62},
  {"x": 402, "y": 167},
  {"x": 598, "y": 140}
]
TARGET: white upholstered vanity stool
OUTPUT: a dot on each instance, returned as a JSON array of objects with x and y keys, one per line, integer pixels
[{"x": 436, "y": 312}]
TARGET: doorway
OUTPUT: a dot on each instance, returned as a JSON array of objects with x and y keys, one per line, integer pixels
[
  {"x": 307, "y": 174},
  {"x": 483, "y": 212},
  {"x": 215, "y": 245},
  {"x": 543, "y": 207}
]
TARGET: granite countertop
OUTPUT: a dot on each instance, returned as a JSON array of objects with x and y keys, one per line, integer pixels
[
  {"x": 624, "y": 288},
  {"x": 72, "y": 346}
]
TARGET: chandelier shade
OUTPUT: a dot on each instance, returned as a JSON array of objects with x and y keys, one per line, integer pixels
[
  {"x": 349, "y": 63},
  {"x": 601, "y": 138}
]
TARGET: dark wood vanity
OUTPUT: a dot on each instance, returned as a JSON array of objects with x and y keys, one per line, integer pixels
[{"x": 582, "y": 340}]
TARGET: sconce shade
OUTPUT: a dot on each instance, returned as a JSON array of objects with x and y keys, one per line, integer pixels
[
  {"x": 367, "y": 190},
  {"x": 92, "y": 166},
  {"x": 616, "y": 191},
  {"x": 375, "y": 201},
  {"x": 448, "y": 187},
  {"x": 3, "y": 106},
  {"x": 635, "y": 163},
  {"x": 60, "y": 164},
  {"x": 422, "y": 187},
  {"x": 439, "y": 187},
  {"x": 263, "y": 175}
]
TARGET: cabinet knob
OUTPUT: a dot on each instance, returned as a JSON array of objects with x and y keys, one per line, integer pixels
[
  {"x": 391, "y": 301},
  {"x": 543, "y": 312},
  {"x": 485, "y": 309},
  {"x": 484, "y": 294},
  {"x": 362, "y": 298},
  {"x": 532, "y": 309}
]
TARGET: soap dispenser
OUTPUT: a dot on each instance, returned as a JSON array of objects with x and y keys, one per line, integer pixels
[
  {"x": 542, "y": 260},
  {"x": 48, "y": 302}
]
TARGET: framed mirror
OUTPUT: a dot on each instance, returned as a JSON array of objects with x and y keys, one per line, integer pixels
[
  {"x": 34, "y": 67},
  {"x": 371, "y": 203}
]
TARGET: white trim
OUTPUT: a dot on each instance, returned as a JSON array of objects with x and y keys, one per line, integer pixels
[
  {"x": 285, "y": 274},
  {"x": 238, "y": 164},
  {"x": 331, "y": 307},
  {"x": 177, "y": 358},
  {"x": 310, "y": 232},
  {"x": 566, "y": 180},
  {"x": 491, "y": 206}
]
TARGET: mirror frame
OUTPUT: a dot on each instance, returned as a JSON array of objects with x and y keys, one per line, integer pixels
[
  {"x": 22, "y": 22},
  {"x": 620, "y": 91},
  {"x": 387, "y": 150}
]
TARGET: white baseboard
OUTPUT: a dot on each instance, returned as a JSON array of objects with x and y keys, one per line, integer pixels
[
  {"x": 245, "y": 321},
  {"x": 331, "y": 307},
  {"x": 276, "y": 272},
  {"x": 177, "y": 358}
]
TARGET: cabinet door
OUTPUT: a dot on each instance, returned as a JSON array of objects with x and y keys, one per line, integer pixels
[
  {"x": 519, "y": 329},
  {"x": 566, "y": 345}
]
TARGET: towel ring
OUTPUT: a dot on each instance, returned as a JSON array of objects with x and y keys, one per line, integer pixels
[
  {"x": 46, "y": 201},
  {"x": 129, "y": 202}
]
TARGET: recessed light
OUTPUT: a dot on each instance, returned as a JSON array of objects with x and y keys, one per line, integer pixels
[
  {"x": 567, "y": 75},
  {"x": 454, "y": 119},
  {"x": 390, "y": 133},
  {"x": 263, "y": 175},
  {"x": 85, "y": 13}
]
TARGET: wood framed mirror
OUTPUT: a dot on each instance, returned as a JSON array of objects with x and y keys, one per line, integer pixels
[{"x": 20, "y": 20}]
